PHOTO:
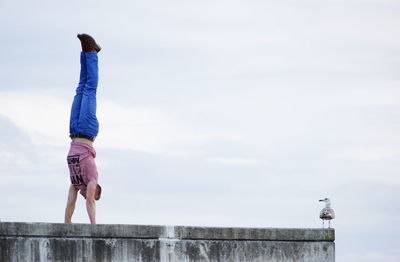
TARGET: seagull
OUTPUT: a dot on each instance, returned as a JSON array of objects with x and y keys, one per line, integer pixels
[{"x": 327, "y": 213}]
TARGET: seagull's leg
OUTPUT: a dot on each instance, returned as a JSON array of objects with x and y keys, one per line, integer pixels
[
  {"x": 323, "y": 225},
  {"x": 329, "y": 224}
]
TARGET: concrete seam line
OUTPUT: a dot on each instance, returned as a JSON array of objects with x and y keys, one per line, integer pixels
[
  {"x": 264, "y": 240},
  {"x": 164, "y": 239},
  {"x": 76, "y": 237}
]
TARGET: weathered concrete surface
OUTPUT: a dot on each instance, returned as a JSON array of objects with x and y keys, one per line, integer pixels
[{"x": 83, "y": 242}]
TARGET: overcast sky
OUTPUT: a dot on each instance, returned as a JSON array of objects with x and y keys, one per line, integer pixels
[{"x": 215, "y": 113}]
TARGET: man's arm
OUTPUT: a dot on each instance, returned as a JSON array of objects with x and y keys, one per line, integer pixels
[
  {"x": 90, "y": 201},
  {"x": 69, "y": 210}
]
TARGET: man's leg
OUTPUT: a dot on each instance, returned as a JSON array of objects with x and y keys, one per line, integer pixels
[
  {"x": 69, "y": 210},
  {"x": 90, "y": 201},
  {"x": 76, "y": 104},
  {"x": 87, "y": 122}
]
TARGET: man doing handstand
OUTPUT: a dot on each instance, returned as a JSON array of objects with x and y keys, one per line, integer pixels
[{"x": 83, "y": 128}]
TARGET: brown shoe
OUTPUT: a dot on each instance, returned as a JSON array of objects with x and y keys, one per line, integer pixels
[{"x": 88, "y": 43}]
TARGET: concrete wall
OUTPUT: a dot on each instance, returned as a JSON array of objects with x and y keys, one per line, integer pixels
[{"x": 83, "y": 242}]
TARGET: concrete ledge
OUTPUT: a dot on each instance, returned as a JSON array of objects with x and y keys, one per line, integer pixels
[
  {"x": 265, "y": 234},
  {"x": 143, "y": 243},
  {"x": 156, "y": 232},
  {"x": 81, "y": 230}
]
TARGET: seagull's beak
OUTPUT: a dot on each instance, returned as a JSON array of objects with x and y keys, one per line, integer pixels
[{"x": 321, "y": 200}]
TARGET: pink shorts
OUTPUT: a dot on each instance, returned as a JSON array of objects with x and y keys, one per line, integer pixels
[{"x": 82, "y": 167}]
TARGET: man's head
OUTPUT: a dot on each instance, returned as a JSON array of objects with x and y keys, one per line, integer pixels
[{"x": 97, "y": 194}]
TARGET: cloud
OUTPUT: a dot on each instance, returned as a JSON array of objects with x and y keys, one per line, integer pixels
[
  {"x": 367, "y": 154},
  {"x": 42, "y": 116},
  {"x": 150, "y": 129},
  {"x": 45, "y": 118},
  {"x": 236, "y": 160},
  {"x": 15, "y": 146}
]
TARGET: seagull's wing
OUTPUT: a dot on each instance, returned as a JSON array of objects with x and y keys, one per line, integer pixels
[
  {"x": 333, "y": 213},
  {"x": 326, "y": 213}
]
